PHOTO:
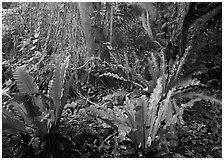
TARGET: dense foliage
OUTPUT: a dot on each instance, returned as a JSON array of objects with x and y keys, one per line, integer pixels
[{"x": 108, "y": 80}]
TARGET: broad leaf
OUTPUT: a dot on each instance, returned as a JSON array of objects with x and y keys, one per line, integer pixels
[
  {"x": 58, "y": 81},
  {"x": 55, "y": 90},
  {"x": 141, "y": 116},
  {"x": 32, "y": 110},
  {"x": 25, "y": 82},
  {"x": 29, "y": 111},
  {"x": 10, "y": 122}
]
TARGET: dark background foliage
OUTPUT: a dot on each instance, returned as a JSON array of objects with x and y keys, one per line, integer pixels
[{"x": 33, "y": 33}]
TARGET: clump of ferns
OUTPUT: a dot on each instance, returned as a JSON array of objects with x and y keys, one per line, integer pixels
[
  {"x": 38, "y": 115},
  {"x": 147, "y": 118},
  {"x": 173, "y": 76}
]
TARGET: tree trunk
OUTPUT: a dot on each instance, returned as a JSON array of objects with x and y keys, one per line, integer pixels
[
  {"x": 93, "y": 28},
  {"x": 86, "y": 9}
]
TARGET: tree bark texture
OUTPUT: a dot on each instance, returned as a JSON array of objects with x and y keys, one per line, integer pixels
[
  {"x": 86, "y": 9},
  {"x": 93, "y": 27}
]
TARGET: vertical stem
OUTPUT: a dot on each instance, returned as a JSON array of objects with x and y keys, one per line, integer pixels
[{"x": 111, "y": 22}]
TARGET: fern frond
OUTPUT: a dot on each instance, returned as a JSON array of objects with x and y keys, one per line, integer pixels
[
  {"x": 154, "y": 103},
  {"x": 165, "y": 113},
  {"x": 176, "y": 67},
  {"x": 202, "y": 95},
  {"x": 207, "y": 98},
  {"x": 58, "y": 81},
  {"x": 55, "y": 90},
  {"x": 168, "y": 110},
  {"x": 183, "y": 83},
  {"x": 153, "y": 67},
  {"x": 157, "y": 93},
  {"x": 138, "y": 77},
  {"x": 172, "y": 69},
  {"x": 64, "y": 97},
  {"x": 117, "y": 119},
  {"x": 155, "y": 63},
  {"x": 163, "y": 64},
  {"x": 179, "y": 111},
  {"x": 116, "y": 76},
  {"x": 130, "y": 111},
  {"x": 25, "y": 82},
  {"x": 182, "y": 61},
  {"x": 29, "y": 111},
  {"x": 10, "y": 122},
  {"x": 190, "y": 103},
  {"x": 20, "y": 110},
  {"x": 163, "y": 68}
]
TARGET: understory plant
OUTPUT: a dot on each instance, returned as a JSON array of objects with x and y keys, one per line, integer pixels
[
  {"x": 36, "y": 115},
  {"x": 146, "y": 119}
]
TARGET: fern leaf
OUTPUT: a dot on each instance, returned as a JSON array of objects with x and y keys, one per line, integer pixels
[
  {"x": 179, "y": 111},
  {"x": 152, "y": 69},
  {"x": 139, "y": 118},
  {"x": 64, "y": 97},
  {"x": 130, "y": 111},
  {"x": 205, "y": 97},
  {"x": 154, "y": 102},
  {"x": 10, "y": 122},
  {"x": 176, "y": 68},
  {"x": 21, "y": 111},
  {"x": 25, "y": 82},
  {"x": 58, "y": 81},
  {"x": 30, "y": 111},
  {"x": 163, "y": 67},
  {"x": 155, "y": 64},
  {"x": 182, "y": 61},
  {"x": 145, "y": 114},
  {"x": 190, "y": 103},
  {"x": 108, "y": 115},
  {"x": 200, "y": 94},
  {"x": 168, "y": 111},
  {"x": 164, "y": 113},
  {"x": 157, "y": 93},
  {"x": 38, "y": 101},
  {"x": 136, "y": 76},
  {"x": 55, "y": 92},
  {"x": 183, "y": 83},
  {"x": 63, "y": 69}
]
